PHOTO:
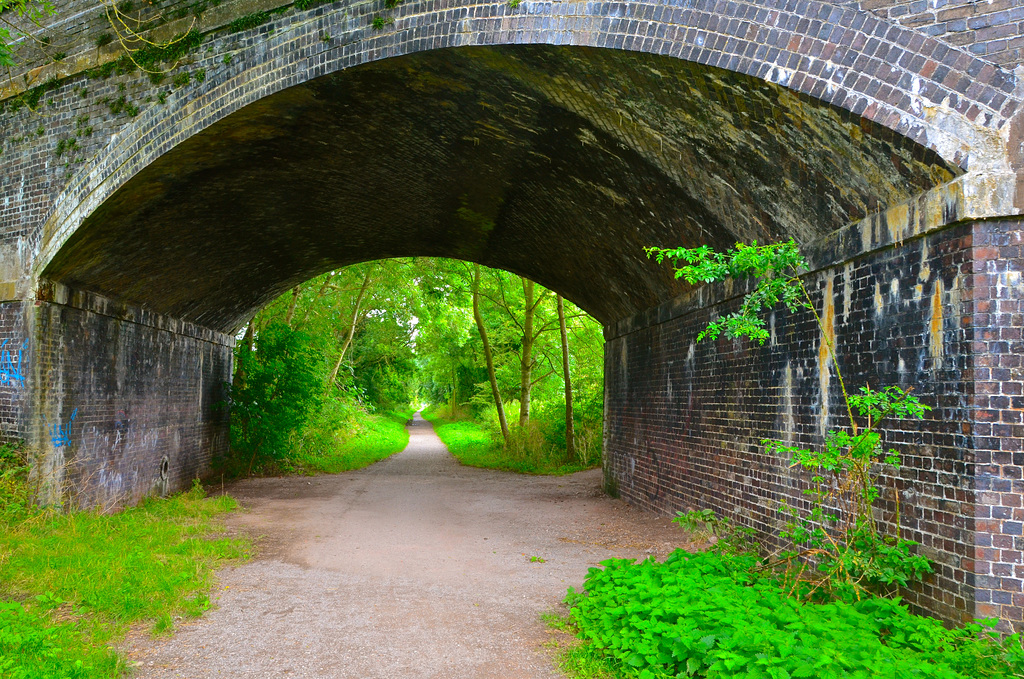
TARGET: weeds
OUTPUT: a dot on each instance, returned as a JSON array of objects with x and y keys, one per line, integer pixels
[{"x": 71, "y": 583}]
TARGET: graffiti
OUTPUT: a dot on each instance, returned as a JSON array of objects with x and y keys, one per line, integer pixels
[
  {"x": 10, "y": 365},
  {"x": 122, "y": 428},
  {"x": 60, "y": 436}
]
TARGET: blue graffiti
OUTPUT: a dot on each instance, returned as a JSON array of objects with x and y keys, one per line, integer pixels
[
  {"x": 10, "y": 367},
  {"x": 60, "y": 436}
]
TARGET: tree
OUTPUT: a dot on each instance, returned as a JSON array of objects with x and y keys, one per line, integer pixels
[
  {"x": 570, "y": 434},
  {"x": 488, "y": 357}
]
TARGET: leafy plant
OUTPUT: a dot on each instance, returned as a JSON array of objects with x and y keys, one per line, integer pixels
[
  {"x": 280, "y": 388},
  {"x": 725, "y": 536},
  {"x": 714, "y": 615},
  {"x": 244, "y": 23},
  {"x": 33, "y": 10},
  {"x": 838, "y": 549}
]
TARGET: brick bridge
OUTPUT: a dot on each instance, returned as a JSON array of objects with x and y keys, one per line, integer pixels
[{"x": 145, "y": 217}]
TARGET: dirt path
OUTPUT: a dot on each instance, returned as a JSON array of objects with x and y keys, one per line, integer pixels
[{"x": 414, "y": 567}]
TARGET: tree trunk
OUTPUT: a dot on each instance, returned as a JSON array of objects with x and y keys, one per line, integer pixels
[
  {"x": 351, "y": 330},
  {"x": 526, "y": 359},
  {"x": 319, "y": 294},
  {"x": 478, "y": 317},
  {"x": 291, "y": 307},
  {"x": 570, "y": 434},
  {"x": 248, "y": 341}
]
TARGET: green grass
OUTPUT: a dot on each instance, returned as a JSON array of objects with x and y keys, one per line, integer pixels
[
  {"x": 474, "y": 446},
  {"x": 381, "y": 437},
  {"x": 71, "y": 584}
]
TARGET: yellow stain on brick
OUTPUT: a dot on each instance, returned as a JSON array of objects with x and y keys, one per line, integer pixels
[
  {"x": 935, "y": 348},
  {"x": 828, "y": 329},
  {"x": 8, "y": 291},
  {"x": 926, "y": 270},
  {"x": 879, "y": 303},
  {"x": 896, "y": 219}
]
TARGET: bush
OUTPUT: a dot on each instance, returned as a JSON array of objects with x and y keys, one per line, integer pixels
[
  {"x": 713, "y": 615},
  {"x": 278, "y": 386}
]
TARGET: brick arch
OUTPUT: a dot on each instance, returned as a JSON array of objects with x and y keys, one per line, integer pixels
[{"x": 938, "y": 96}]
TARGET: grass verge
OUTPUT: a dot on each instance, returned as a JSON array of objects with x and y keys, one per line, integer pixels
[
  {"x": 474, "y": 446},
  {"x": 72, "y": 584},
  {"x": 381, "y": 437}
]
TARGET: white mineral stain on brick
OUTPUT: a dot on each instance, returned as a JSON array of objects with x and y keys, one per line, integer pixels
[{"x": 828, "y": 330}]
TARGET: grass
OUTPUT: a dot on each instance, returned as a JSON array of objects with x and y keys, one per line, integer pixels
[
  {"x": 72, "y": 584},
  {"x": 381, "y": 437},
  {"x": 473, "y": 445}
]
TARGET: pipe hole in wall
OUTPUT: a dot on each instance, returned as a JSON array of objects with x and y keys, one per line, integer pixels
[{"x": 165, "y": 468}]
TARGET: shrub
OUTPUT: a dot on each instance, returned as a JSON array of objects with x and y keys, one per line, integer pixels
[
  {"x": 280, "y": 385},
  {"x": 712, "y": 615}
]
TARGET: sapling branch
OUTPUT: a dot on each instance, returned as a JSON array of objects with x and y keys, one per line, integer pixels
[{"x": 840, "y": 531}]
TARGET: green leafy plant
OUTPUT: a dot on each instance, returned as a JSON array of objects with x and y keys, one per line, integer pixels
[
  {"x": 244, "y": 23},
  {"x": 838, "y": 548},
  {"x": 716, "y": 616},
  {"x": 281, "y": 387},
  {"x": 33, "y": 10}
]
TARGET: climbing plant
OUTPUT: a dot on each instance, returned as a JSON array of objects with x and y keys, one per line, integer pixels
[{"x": 838, "y": 549}]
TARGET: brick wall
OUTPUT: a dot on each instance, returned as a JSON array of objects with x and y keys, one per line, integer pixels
[
  {"x": 14, "y": 365},
  {"x": 996, "y": 313},
  {"x": 129, "y": 401},
  {"x": 939, "y": 314}
]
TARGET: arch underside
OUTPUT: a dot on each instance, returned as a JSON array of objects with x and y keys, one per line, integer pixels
[{"x": 558, "y": 163}]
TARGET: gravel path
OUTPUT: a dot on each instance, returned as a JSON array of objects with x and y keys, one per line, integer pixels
[{"x": 414, "y": 567}]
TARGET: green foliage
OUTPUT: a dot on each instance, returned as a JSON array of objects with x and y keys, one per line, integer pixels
[
  {"x": 372, "y": 439},
  {"x": 152, "y": 57},
  {"x": 15, "y": 497},
  {"x": 33, "y": 10},
  {"x": 476, "y": 445},
  {"x": 282, "y": 385},
  {"x": 838, "y": 550},
  {"x": 775, "y": 266},
  {"x": 303, "y": 5},
  {"x": 32, "y": 646},
  {"x": 711, "y": 615},
  {"x": 244, "y": 23}
]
